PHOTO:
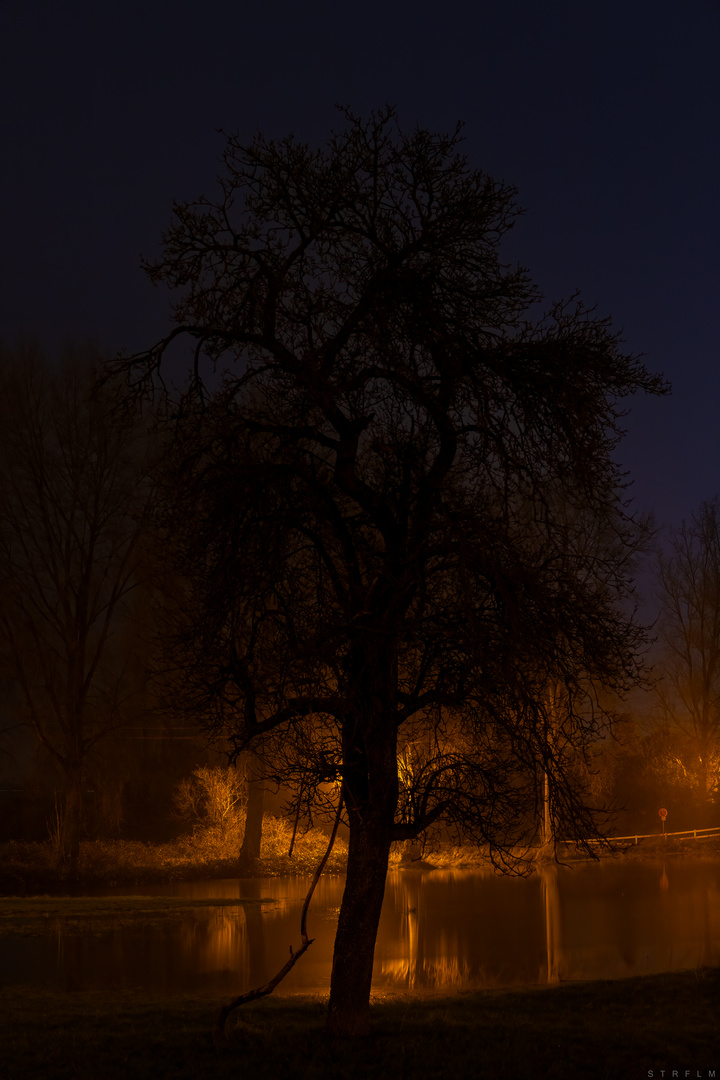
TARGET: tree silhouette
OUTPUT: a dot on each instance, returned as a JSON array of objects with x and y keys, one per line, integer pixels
[
  {"x": 366, "y": 503},
  {"x": 690, "y": 631},
  {"x": 71, "y": 521}
]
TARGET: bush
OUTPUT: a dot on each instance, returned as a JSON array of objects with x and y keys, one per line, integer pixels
[{"x": 213, "y": 797}]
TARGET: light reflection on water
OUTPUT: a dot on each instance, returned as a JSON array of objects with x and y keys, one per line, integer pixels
[{"x": 439, "y": 931}]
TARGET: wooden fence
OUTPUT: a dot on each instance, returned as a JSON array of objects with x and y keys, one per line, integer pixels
[{"x": 696, "y": 834}]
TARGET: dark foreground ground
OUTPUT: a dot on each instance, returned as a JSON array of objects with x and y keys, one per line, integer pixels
[{"x": 658, "y": 1026}]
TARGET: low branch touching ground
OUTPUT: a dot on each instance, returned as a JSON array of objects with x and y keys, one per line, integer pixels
[{"x": 262, "y": 991}]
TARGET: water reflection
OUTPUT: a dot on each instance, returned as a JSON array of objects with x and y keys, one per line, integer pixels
[
  {"x": 417, "y": 957},
  {"x": 553, "y": 922},
  {"x": 452, "y": 929},
  {"x": 439, "y": 931}
]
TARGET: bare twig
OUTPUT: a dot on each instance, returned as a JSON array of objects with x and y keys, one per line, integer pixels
[{"x": 263, "y": 991}]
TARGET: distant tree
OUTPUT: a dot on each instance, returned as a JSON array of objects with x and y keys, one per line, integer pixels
[
  {"x": 226, "y": 806},
  {"x": 593, "y": 548},
  {"x": 369, "y": 498},
  {"x": 690, "y": 630},
  {"x": 175, "y": 622},
  {"x": 72, "y": 499}
]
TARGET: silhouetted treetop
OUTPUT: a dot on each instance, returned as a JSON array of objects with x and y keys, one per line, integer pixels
[{"x": 337, "y": 274}]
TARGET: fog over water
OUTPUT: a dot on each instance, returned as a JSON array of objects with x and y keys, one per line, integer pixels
[{"x": 440, "y": 931}]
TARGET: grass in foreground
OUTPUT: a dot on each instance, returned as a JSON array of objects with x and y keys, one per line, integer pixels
[{"x": 605, "y": 1030}]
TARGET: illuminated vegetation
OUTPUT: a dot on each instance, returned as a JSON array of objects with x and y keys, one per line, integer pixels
[
  {"x": 29, "y": 867},
  {"x": 686, "y": 748}
]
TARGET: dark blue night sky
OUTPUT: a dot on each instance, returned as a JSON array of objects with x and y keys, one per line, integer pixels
[{"x": 604, "y": 115}]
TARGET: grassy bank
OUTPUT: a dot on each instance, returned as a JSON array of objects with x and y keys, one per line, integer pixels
[
  {"x": 30, "y": 868},
  {"x": 609, "y": 1030}
]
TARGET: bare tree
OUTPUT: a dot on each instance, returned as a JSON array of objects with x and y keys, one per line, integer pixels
[
  {"x": 374, "y": 557},
  {"x": 71, "y": 521},
  {"x": 690, "y": 628}
]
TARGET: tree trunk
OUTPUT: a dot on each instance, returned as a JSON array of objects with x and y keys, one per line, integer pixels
[
  {"x": 547, "y": 850},
  {"x": 252, "y": 839},
  {"x": 703, "y": 785},
  {"x": 370, "y": 777},
  {"x": 368, "y": 852},
  {"x": 71, "y": 822}
]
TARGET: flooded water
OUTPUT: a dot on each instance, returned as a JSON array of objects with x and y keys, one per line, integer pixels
[{"x": 440, "y": 931}]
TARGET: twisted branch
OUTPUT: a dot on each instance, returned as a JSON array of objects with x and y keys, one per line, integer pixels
[{"x": 262, "y": 991}]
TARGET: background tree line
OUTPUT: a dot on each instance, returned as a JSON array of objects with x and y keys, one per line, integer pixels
[
  {"x": 91, "y": 743},
  {"x": 114, "y": 730}
]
